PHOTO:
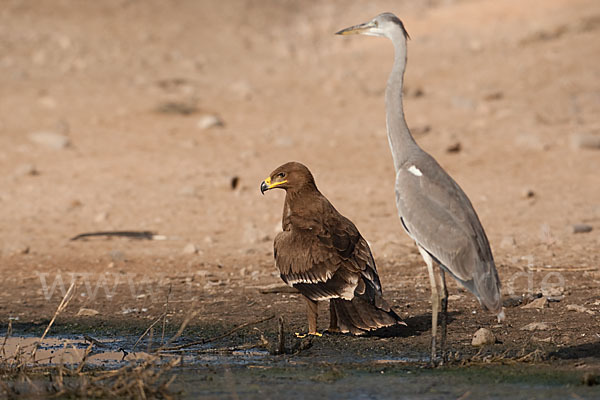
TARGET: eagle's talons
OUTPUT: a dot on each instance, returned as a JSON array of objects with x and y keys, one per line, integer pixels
[{"x": 303, "y": 335}]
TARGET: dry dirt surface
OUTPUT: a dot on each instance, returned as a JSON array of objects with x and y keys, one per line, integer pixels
[{"x": 165, "y": 116}]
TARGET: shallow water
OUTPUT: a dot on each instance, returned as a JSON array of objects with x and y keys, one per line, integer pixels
[
  {"x": 68, "y": 350},
  {"x": 372, "y": 381},
  {"x": 208, "y": 372}
]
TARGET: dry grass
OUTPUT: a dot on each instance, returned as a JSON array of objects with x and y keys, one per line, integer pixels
[
  {"x": 22, "y": 375},
  {"x": 145, "y": 380}
]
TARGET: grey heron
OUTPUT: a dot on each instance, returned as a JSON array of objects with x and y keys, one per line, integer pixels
[{"x": 433, "y": 209}]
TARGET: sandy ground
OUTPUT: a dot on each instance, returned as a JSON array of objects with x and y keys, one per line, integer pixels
[{"x": 130, "y": 84}]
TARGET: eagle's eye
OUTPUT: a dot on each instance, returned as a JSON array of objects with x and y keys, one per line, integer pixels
[{"x": 280, "y": 175}]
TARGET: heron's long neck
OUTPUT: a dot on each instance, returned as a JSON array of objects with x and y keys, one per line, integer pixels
[{"x": 399, "y": 137}]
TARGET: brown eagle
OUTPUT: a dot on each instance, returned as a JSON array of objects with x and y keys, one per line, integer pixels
[{"x": 321, "y": 253}]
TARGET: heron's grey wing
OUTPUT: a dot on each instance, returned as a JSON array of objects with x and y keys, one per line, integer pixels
[{"x": 440, "y": 218}]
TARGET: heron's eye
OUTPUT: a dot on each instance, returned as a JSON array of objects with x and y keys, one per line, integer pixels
[{"x": 376, "y": 24}]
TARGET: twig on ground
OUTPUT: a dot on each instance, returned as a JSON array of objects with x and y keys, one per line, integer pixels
[
  {"x": 63, "y": 304},
  {"x": 146, "y": 331},
  {"x": 95, "y": 342},
  {"x": 138, "y": 235},
  {"x": 228, "y": 333},
  {"x": 162, "y": 336},
  {"x": 179, "y": 331},
  {"x": 8, "y": 333},
  {"x": 563, "y": 269},
  {"x": 281, "y": 338},
  {"x": 150, "y": 340},
  {"x": 88, "y": 350},
  {"x": 277, "y": 288}
]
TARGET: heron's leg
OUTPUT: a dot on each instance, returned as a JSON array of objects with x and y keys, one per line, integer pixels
[
  {"x": 312, "y": 314},
  {"x": 435, "y": 300},
  {"x": 333, "y": 324},
  {"x": 444, "y": 300}
]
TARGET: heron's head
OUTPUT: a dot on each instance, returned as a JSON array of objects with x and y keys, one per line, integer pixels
[
  {"x": 384, "y": 25},
  {"x": 290, "y": 176}
]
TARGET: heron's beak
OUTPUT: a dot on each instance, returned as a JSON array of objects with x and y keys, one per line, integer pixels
[
  {"x": 357, "y": 29},
  {"x": 268, "y": 185}
]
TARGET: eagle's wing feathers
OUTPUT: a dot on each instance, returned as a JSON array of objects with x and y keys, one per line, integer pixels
[{"x": 329, "y": 259}]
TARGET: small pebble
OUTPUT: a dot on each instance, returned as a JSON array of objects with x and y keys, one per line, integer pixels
[
  {"x": 507, "y": 242},
  {"x": 26, "y": 169},
  {"x": 582, "y": 228},
  {"x": 512, "y": 301},
  {"x": 51, "y": 140},
  {"x": 203, "y": 273},
  {"x": 74, "y": 205},
  {"x": 188, "y": 191},
  {"x": 475, "y": 45},
  {"x": 536, "y": 326},
  {"x": 87, "y": 312},
  {"x": 47, "y": 102},
  {"x": 493, "y": 96},
  {"x": 455, "y": 147},
  {"x": 553, "y": 292},
  {"x": 242, "y": 89},
  {"x": 284, "y": 141},
  {"x": 21, "y": 249},
  {"x": 101, "y": 217},
  {"x": 464, "y": 103},
  {"x": 540, "y": 303},
  {"x": 528, "y": 193},
  {"x": 235, "y": 182},
  {"x": 585, "y": 141},
  {"x": 578, "y": 308},
  {"x": 482, "y": 337},
  {"x": 177, "y": 108},
  {"x": 117, "y": 255},
  {"x": 529, "y": 141},
  {"x": 420, "y": 130},
  {"x": 190, "y": 248},
  {"x": 210, "y": 121}
]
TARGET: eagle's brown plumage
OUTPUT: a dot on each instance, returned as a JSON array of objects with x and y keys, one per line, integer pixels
[{"x": 321, "y": 253}]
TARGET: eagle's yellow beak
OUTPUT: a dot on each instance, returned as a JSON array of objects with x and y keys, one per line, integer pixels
[{"x": 267, "y": 185}]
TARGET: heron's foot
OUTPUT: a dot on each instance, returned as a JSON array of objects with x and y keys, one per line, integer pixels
[
  {"x": 442, "y": 360},
  {"x": 433, "y": 359},
  {"x": 303, "y": 335}
]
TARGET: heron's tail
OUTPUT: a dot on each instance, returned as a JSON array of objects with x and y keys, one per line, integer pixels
[
  {"x": 486, "y": 286},
  {"x": 358, "y": 316}
]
